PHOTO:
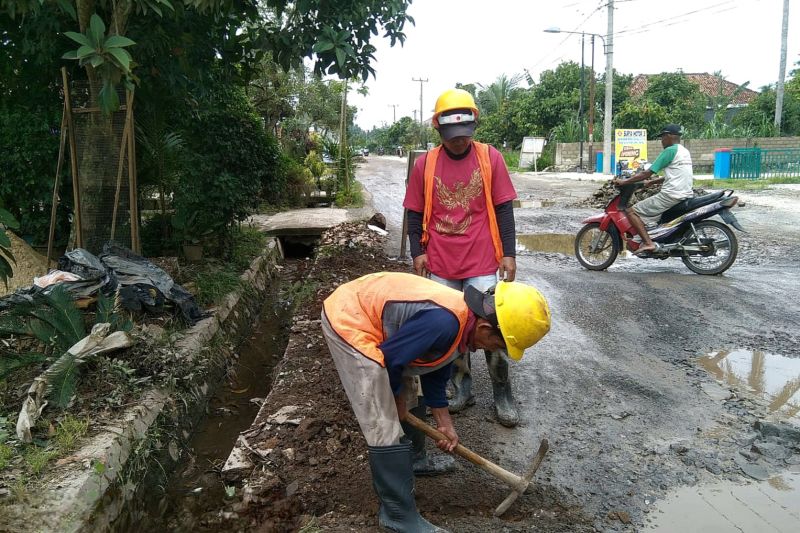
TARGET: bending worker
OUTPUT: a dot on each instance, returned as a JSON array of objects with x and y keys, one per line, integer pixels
[
  {"x": 383, "y": 329},
  {"x": 461, "y": 229}
]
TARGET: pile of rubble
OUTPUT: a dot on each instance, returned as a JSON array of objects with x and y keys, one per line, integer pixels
[{"x": 603, "y": 195}]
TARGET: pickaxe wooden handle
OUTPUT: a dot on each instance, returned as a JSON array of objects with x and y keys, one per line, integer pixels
[{"x": 517, "y": 483}]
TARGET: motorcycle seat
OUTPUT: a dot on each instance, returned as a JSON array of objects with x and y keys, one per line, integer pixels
[{"x": 689, "y": 204}]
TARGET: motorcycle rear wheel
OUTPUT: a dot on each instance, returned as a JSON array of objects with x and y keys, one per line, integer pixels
[
  {"x": 604, "y": 252},
  {"x": 725, "y": 248}
]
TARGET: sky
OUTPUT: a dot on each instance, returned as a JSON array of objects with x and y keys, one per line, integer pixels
[{"x": 475, "y": 41}]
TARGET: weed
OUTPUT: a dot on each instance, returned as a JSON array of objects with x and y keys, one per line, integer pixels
[
  {"x": 19, "y": 489},
  {"x": 302, "y": 291},
  {"x": 743, "y": 185},
  {"x": 214, "y": 285},
  {"x": 69, "y": 431},
  {"x": 312, "y": 526},
  {"x": 248, "y": 243},
  {"x": 37, "y": 458},
  {"x": 6, "y": 453}
]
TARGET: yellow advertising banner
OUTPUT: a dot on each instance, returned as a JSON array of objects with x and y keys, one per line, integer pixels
[{"x": 630, "y": 148}]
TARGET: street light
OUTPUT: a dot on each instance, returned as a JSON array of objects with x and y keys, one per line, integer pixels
[{"x": 607, "y": 123}]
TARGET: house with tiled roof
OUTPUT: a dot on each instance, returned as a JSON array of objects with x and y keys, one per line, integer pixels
[{"x": 710, "y": 85}]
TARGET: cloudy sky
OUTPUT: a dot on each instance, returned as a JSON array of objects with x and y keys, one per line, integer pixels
[{"x": 475, "y": 41}]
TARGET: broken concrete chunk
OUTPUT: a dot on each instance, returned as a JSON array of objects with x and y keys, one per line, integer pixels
[
  {"x": 755, "y": 471},
  {"x": 284, "y": 416}
]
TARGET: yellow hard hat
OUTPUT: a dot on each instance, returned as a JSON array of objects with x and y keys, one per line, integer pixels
[
  {"x": 522, "y": 314},
  {"x": 453, "y": 99}
]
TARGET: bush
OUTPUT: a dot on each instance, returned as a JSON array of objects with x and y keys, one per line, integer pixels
[
  {"x": 27, "y": 170},
  {"x": 234, "y": 161}
]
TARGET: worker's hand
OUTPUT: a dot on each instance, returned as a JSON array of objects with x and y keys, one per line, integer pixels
[
  {"x": 618, "y": 181},
  {"x": 421, "y": 266},
  {"x": 400, "y": 402},
  {"x": 445, "y": 425},
  {"x": 508, "y": 269}
]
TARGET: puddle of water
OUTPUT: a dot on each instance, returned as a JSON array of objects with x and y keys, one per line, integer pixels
[
  {"x": 562, "y": 243},
  {"x": 533, "y": 204},
  {"x": 762, "y": 506},
  {"x": 767, "y": 375}
]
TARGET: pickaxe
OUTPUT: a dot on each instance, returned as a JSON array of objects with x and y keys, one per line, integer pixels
[{"x": 518, "y": 484}]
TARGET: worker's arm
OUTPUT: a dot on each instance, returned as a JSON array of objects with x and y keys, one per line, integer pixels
[
  {"x": 414, "y": 228},
  {"x": 429, "y": 331},
  {"x": 508, "y": 237}
]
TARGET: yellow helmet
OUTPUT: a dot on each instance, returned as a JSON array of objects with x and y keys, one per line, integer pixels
[
  {"x": 522, "y": 314},
  {"x": 453, "y": 99}
]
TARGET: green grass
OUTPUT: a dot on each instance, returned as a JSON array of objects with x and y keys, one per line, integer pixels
[
  {"x": 69, "y": 431},
  {"x": 743, "y": 185},
  {"x": 511, "y": 158},
  {"x": 248, "y": 243},
  {"x": 213, "y": 284},
  {"x": 37, "y": 458},
  {"x": 6, "y": 453}
]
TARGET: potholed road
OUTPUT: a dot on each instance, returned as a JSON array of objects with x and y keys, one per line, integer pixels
[{"x": 632, "y": 417}]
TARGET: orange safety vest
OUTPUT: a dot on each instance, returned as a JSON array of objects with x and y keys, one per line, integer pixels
[
  {"x": 356, "y": 310},
  {"x": 485, "y": 165}
]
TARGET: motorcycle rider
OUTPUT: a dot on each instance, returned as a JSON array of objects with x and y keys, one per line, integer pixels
[{"x": 676, "y": 162}]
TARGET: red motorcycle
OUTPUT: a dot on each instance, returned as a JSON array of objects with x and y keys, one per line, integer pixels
[{"x": 705, "y": 246}]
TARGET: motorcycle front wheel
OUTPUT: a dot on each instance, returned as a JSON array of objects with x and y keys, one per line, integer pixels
[
  {"x": 595, "y": 249},
  {"x": 723, "y": 248}
]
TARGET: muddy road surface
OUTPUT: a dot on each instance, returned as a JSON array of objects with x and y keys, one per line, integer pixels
[{"x": 653, "y": 381}]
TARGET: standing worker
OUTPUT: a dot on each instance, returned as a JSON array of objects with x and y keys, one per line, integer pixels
[
  {"x": 383, "y": 329},
  {"x": 461, "y": 229}
]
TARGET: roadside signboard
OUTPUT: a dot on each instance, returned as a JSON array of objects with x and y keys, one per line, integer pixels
[
  {"x": 531, "y": 150},
  {"x": 630, "y": 147}
]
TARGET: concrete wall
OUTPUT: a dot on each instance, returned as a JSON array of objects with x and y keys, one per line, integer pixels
[{"x": 702, "y": 150}]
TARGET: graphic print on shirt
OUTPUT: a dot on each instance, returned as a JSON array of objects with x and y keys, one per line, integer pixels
[{"x": 459, "y": 197}]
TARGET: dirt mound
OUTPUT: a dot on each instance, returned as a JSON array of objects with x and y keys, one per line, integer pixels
[
  {"x": 607, "y": 192},
  {"x": 29, "y": 264},
  {"x": 313, "y": 466}
]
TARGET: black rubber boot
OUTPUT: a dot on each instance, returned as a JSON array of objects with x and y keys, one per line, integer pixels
[
  {"x": 423, "y": 463},
  {"x": 461, "y": 381},
  {"x": 393, "y": 482},
  {"x": 504, "y": 405}
]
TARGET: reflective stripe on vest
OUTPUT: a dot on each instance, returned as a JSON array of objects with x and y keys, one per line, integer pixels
[
  {"x": 485, "y": 165},
  {"x": 355, "y": 310}
]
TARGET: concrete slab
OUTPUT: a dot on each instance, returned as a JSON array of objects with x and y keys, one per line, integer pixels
[{"x": 309, "y": 221}]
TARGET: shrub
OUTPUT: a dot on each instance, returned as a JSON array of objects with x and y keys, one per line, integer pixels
[{"x": 27, "y": 171}]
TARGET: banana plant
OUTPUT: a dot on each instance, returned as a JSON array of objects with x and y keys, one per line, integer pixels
[{"x": 107, "y": 54}]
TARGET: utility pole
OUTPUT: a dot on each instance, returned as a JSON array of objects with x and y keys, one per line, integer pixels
[
  {"x": 782, "y": 73},
  {"x": 580, "y": 107},
  {"x": 609, "y": 90},
  {"x": 591, "y": 114},
  {"x": 394, "y": 112},
  {"x": 421, "y": 131}
]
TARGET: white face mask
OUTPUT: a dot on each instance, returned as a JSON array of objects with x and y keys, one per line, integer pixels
[{"x": 457, "y": 118}]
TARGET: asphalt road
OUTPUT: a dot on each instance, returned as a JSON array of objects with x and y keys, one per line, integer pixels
[{"x": 616, "y": 385}]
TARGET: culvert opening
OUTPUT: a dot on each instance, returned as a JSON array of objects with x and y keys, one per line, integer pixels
[{"x": 298, "y": 246}]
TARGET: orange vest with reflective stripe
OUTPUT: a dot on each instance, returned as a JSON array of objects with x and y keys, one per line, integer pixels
[
  {"x": 485, "y": 165},
  {"x": 356, "y": 310}
]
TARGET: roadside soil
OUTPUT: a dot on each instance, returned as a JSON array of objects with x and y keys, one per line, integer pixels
[{"x": 313, "y": 471}]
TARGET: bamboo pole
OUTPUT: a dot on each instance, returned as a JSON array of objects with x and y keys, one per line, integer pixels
[
  {"x": 132, "y": 185},
  {"x": 122, "y": 151},
  {"x": 53, "y": 209},
  {"x": 73, "y": 158}
]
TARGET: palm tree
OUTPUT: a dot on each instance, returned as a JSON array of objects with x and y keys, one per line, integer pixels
[{"x": 493, "y": 97}]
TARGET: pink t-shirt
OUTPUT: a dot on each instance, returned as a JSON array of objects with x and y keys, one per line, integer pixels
[{"x": 460, "y": 241}]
